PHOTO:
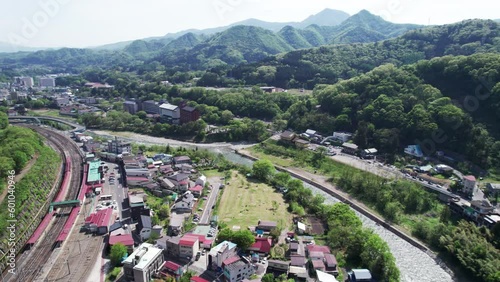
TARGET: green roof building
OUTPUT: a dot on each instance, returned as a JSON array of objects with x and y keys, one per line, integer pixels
[{"x": 94, "y": 175}]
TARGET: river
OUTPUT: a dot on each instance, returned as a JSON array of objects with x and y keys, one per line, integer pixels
[{"x": 414, "y": 264}]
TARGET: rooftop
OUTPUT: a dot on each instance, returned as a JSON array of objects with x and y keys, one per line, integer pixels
[
  {"x": 146, "y": 221},
  {"x": 188, "y": 109},
  {"x": 350, "y": 146},
  {"x": 235, "y": 265},
  {"x": 318, "y": 264},
  {"x": 169, "y": 107},
  {"x": 198, "y": 279},
  {"x": 217, "y": 248},
  {"x": 362, "y": 274},
  {"x": 262, "y": 245},
  {"x": 125, "y": 239},
  {"x": 470, "y": 177},
  {"x": 172, "y": 266},
  {"x": 100, "y": 218},
  {"x": 268, "y": 223},
  {"x": 298, "y": 261},
  {"x": 325, "y": 277},
  {"x": 147, "y": 254},
  {"x": 330, "y": 260},
  {"x": 93, "y": 174},
  {"x": 188, "y": 241},
  {"x": 197, "y": 188},
  {"x": 317, "y": 248},
  {"x": 231, "y": 260}
]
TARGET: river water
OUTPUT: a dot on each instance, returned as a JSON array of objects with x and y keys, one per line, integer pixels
[{"x": 414, "y": 264}]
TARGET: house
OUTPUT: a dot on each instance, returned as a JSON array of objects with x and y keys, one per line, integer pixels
[
  {"x": 331, "y": 264},
  {"x": 143, "y": 263},
  {"x": 469, "y": 185},
  {"x": 126, "y": 239},
  {"x": 266, "y": 225},
  {"x": 414, "y": 150},
  {"x": 493, "y": 188},
  {"x": 325, "y": 277},
  {"x": 182, "y": 160},
  {"x": 98, "y": 222},
  {"x": 310, "y": 133},
  {"x": 140, "y": 172},
  {"x": 262, "y": 246},
  {"x": 369, "y": 153},
  {"x": 237, "y": 268},
  {"x": 316, "y": 256},
  {"x": 443, "y": 169},
  {"x": 298, "y": 260},
  {"x": 349, "y": 148},
  {"x": 196, "y": 190},
  {"x": 189, "y": 114},
  {"x": 202, "y": 180},
  {"x": 301, "y": 228},
  {"x": 317, "y": 248},
  {"x": 184, "y": 204},
  {"x": 482, "y": 207},
  {"x": 170, "y": 245},
  {"x": 220, "y": 253},
  {"x": 293, "y": 248},
  {"x": 175, "y": 226},
  {"x": 151, "y": 107},
  {"x": 318, "y": 265},
  {"x": 287, "y": 136},
  {"x": 301, "y": 143},
  {"x": 359, "y": 275},
  {"x": 130, "y": 107},
  {"x": 170, "y": 268},
  {"x": 166, "y": 170},
  {"x": 167, "y": 184},
  {"x": 278, "y": 265},
  {"x": 180, "y": 181},
  {"x": 137, "y": 181},
  {"x": 188, "y": 246},
  {"x": 144, "y": 227},
  {"x": 342, "y": 136}
]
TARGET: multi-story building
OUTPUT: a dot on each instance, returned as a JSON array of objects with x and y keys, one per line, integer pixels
[
  {"x": 189, "y": 114},
  {"x": 18, "y": 96},
  {"x": 170, "y": 112},
  {"x": 118, "y": 147},
  {"x": 143, "y": 263},
  {"x": 220, "y": 253},
  {"x": 25, "y": 81},
  {"x": 47, "y": 82},
  {"x": 188, "y": 246},
  {"x": 151, "y": 107},
  {"x": 469, "y": 187},
  {"x": 237, "y": 269},
  {"x": 130, "y": 106}
]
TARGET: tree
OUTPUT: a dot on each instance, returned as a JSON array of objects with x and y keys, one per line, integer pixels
[
  {"x": 118, "y": 251},
  {"x": 269, "y": 277},
  {"x": 243, "y": 238},
  {"x": 263, "y": 170},
  {"x": 4, "y": 120}
]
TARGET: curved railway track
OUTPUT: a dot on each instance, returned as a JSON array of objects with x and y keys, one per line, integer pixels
[{"x": 35, "y": 261}]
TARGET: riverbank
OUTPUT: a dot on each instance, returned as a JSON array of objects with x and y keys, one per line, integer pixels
[
  {"x": 321, "y": 183},
  {"x": 145, "y": 139}
]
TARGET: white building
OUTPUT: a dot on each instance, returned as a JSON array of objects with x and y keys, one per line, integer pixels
[
  {"x": 220, "y": 253},
  {"x": 47, "y": 82},
  {"x": 143, "y": 263},
  {"x": 202, "y": 180},
  {"x": 170, "y": 111},
  {"x": 342, "y": 136},
  {"x": 27, "y": 81}
]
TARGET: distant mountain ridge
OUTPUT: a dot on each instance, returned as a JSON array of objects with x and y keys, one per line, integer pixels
[{"x": 247, "y": 44}]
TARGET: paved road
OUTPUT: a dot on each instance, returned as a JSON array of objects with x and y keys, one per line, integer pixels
[{"x": 212, "y": 198}]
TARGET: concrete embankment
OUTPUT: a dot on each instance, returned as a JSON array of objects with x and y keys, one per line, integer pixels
[{"x": 354, "y": 204}]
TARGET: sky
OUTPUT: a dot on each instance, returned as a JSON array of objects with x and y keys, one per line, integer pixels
[{"x": 77, "y": 23}]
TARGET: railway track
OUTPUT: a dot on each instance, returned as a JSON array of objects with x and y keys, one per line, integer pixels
[{"x": 34, "y": 262}]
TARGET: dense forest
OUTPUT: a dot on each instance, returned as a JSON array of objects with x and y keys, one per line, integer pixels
[{"x": 329, "y": 64}]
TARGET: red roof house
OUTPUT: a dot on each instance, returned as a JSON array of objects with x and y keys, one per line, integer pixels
[
  {"x": 317, "y": 248},
  {"x": 261, "y": 245},
  {"x": 196, "y": 189},
  {"x": 125, "y": 239},
  {"x": 188, "y": 241},
  {"x": 231, "y": 260}
]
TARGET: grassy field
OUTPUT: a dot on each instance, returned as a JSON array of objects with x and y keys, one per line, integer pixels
[
  {"x": 51, "y": 113},
  {"x": 244, "y": 202}
]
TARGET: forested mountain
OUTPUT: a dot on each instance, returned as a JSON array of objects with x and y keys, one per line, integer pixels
[
  {"x": 236, "y": 45},
  {"x": 328, "y": 64},
  {"x": 456, "y": 98}
]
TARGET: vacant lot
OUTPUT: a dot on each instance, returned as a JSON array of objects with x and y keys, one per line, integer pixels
[{"x": 244, "y": 202}]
